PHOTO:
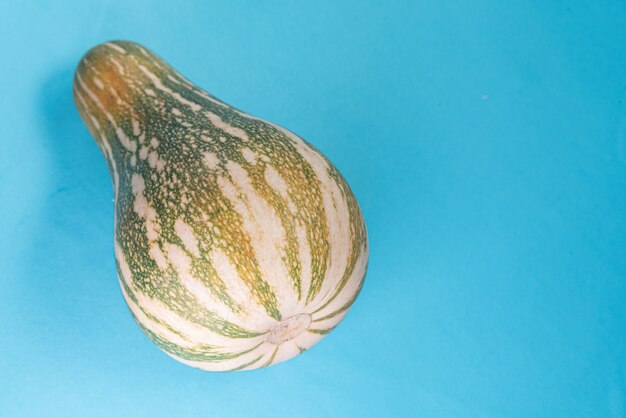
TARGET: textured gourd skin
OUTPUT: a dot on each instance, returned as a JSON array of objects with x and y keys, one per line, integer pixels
[{"x": 238, "y": 245}]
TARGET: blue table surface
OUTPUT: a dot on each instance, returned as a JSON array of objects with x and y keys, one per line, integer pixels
[{"x": 484, "y": 140}]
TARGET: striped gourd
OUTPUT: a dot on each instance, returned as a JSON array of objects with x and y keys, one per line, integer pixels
[{"x": 238, "y": 245}]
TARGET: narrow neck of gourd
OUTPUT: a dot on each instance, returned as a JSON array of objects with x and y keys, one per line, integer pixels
[{"x": 110, "y": 86}]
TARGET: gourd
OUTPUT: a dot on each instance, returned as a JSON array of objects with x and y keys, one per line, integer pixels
[{"x": 238, "y": 245}]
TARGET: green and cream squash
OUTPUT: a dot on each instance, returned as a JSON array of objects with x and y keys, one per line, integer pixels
[{"x": 238, "y": 245}]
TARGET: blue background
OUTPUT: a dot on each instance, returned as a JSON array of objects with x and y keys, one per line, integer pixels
[{"x": 485, "y": 141}]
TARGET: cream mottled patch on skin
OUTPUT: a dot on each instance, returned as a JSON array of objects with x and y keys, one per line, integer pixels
[
  {"x": 229, "y": 129},
  {"x": 186, "y": 235},
  {"x": 248, "y": 155},
  {"x": 211, "y": 160},
  {"x": 160, "y": 86}
]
